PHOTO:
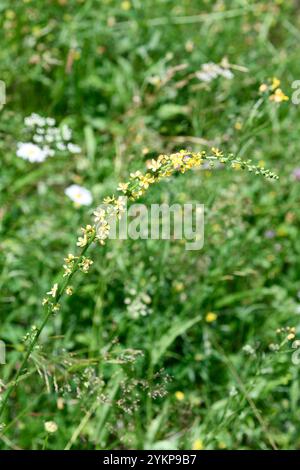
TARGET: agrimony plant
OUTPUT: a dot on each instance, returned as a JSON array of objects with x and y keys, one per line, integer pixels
[{"x": 163, "y": 167}]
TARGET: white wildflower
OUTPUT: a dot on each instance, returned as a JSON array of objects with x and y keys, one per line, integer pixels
[
  {"x": 37, "y": 139},
  {"x": 34, "y": 120},
  {"x": 79, "y": 195},
  {"x": 210, "y": 71},
  {"x": 50, "y": 121},
  {"x": 31, "y": 152}
]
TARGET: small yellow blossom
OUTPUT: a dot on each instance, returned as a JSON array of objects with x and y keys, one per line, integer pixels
[
  {"x": 109, "y": 199},
  {"x": 278, "y": 96},
  {"x": 154, "y": 165},
  {"x": 82, "y": 241},
  {"x": 211, "y": 317},
  {"x": 85, "y": 264},
  {"x": 179, "y": 396},
  {"x": 53, "y": 290},
  {"x": 67, "y": 270},
  {"x": 198, "y": 445},
  {"x": 178, "y": 286},
  {"x": 275, "y": 83},
  {"x": 123, "y": 187},
  {"x": 88, "y": 232},
  {"x": 136, "y": 174},
  {"x": 70, "y": 258},
  {"x": 217, "y": 152},
  {"x": 263, "y": 88},
  {"x": 45, "y": 301},
  {"x": 69, "y": 290},
  {"x": 99, "y": 215},
  {"x": 238, "y": 125},
  {"x": 125, "y": 5},
  {"x": 291, "y": 336}
]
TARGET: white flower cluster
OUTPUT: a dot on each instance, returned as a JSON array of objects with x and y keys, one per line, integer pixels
[
  {"x": 210, "y": 71},
  {"x": 137, "y": 304},
  {"x": 47, "y": 139}
]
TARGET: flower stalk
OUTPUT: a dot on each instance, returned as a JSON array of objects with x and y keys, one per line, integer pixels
[{"x": 163, "y": 167}]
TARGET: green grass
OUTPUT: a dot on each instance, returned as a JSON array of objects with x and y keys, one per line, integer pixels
[{"x": 110, "y": 70}]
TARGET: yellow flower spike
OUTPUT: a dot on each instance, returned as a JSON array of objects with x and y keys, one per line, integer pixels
[{"x": 187, "y": 160}]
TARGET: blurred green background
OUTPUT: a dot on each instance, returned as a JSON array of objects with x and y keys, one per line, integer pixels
[{"x": 127, "y": 78}]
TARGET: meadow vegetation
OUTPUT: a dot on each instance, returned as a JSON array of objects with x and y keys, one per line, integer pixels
[{"x": 153, "y": 346}]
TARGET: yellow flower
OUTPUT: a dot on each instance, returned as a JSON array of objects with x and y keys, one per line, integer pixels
[
  {"x": 108, "y": 199},
  {"x": 179, "y": 396},
  {"x": 126, "y": 5},
  {"x": 278, "y": 96},
  {"x": 154, "y": 165},
  {"x": 67, "y": 270},
  {"x": 123, "y": 187},
  {"x": 275, "y": 83},
  {"x": 85, "y": 264},
  {"x": 53, "y": 290},
  {"x": 217, "y": 152},
  {"x": 70, "y": 258},
  {"x": 82, "y": 241},
  {"x": 99, "y": 215},
  {"x": 211, "y": 317},
  {"x": 69, "y": 290},
  {"x": 263, "y": 88},
  {"x": 198, "y": 445},
  {"x": 236, "y": 166}
]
